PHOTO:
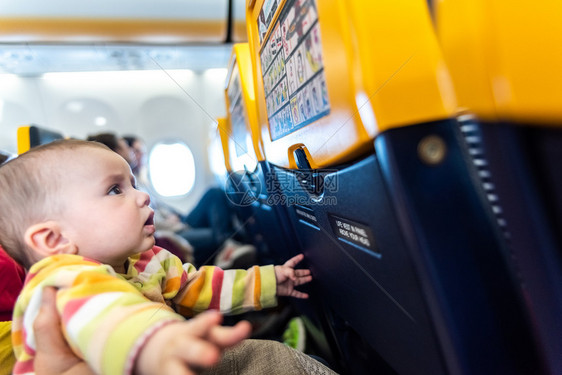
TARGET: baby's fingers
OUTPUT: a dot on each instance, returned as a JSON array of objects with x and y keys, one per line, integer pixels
[
  {"x": 177, "y": 367},
  {"x": 303, "y": 280},
  {"x": 202, "y": 324},
  {"x": 302, "y": 272},
  {"x": 195, "y": 354},
  {"x": 225, "y": 337},
  {"x": 294, "y": 261},
  {"x": 296, "y": 294}
]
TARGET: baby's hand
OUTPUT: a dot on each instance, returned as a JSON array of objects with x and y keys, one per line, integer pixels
[
  {"x": 288, "y": 277},
  {"x": 186, "y": 348}
]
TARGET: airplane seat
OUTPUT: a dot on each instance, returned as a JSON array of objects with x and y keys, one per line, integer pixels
[
  {"x": 357, "y": 116},
  {"x": 237, "y": 194},
  {"x": 32, "y": 135},
  {"x": 249, "y": 172},
  {"x": 507, "y": 79},
  {"x": 251, "y": 175},
  {"x": 241, "y": 193}
]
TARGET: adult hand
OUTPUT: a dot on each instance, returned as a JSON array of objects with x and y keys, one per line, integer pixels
[{"x": 53, "y": 355}]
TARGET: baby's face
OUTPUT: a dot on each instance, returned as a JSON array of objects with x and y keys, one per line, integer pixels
[{"x": 105, "y": 216}]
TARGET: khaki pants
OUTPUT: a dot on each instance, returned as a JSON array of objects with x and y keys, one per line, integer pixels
[
  {"x": 7, "y": 358},
  {"x": 267, "y": 357}
]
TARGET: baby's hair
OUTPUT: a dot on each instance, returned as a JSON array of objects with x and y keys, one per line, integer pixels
[{"x": 28, "y": 186}]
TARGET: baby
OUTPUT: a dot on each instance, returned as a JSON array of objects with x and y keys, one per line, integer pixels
[{"x": 72, "y": 216}]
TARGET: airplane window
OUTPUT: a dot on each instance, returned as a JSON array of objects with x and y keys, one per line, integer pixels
[{"x": 171, "y": 169}]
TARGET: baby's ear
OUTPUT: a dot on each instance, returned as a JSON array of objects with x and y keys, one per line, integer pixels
[{"x": 47, "y": 239}]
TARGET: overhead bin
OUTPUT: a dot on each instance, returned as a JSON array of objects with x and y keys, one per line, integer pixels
[
  {"x": 239, "y": 30},
  {"x": 139, "y": 21}
]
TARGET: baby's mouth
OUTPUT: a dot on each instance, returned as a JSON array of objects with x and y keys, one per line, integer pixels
[{"x": 150, "y": 220}]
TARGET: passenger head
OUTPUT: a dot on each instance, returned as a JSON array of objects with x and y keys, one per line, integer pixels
[
  {"x": 72, "y": 197},
  {"x": 3, "y": 157},
  {"x": 136, "y": 145},
  {"x": 115, "y": 143}
]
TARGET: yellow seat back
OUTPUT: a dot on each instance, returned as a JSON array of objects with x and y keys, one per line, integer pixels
[
  {"x": 331, "y": 75},
  {"x": 244, "y": 147},
  {"x": 224, "y": 131},
  {"x": 504, "y": 58},
  {"x": 31, "y": 135}
]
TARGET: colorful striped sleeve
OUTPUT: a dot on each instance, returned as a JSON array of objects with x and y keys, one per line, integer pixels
[
  {"x": 105, "y": 319},
  {"x": 230, "y": 291}
]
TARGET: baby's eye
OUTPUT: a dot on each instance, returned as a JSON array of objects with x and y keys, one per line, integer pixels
[{"x": 115, "y": 189}]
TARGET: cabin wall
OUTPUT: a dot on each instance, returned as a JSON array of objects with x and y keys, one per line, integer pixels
[{"x": 155, "y": 105}]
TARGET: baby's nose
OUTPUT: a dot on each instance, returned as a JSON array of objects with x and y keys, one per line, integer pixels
[{"x": 144, "y": 198}]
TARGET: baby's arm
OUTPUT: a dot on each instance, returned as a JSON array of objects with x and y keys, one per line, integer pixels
[
  {"x": 229, "y": 291},
  {"x": 288, "y": 277},
  {"x": 188, "y": 347}
]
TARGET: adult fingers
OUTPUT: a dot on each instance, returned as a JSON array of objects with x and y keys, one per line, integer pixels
[
  {"x": 54, "y": 356},
  {"x": 46, "y": 326}
]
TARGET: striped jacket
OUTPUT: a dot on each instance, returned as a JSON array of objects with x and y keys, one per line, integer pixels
[{"x": 107, "y": 317}]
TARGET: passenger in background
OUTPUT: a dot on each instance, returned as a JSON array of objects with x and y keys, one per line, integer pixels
[
  {"x": 5, "y": 156},
  {"x": 115, "y": 143},
  {"x": 74, "y": 251},
  {"x": 138, "y": 152},
  {"x": 208, "y": 227}
]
